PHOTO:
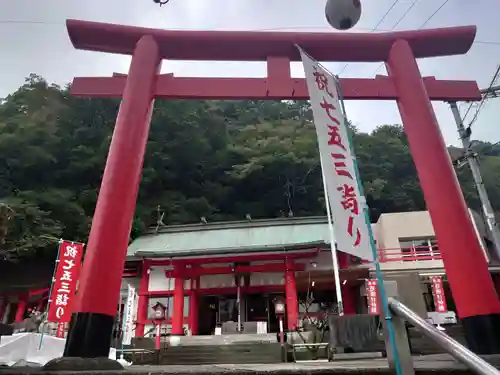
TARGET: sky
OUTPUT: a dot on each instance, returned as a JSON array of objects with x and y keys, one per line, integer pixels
[{"x": 34, "y": 40}]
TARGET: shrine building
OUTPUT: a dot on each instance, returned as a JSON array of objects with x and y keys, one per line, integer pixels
[{"x": 200, "y": 271}]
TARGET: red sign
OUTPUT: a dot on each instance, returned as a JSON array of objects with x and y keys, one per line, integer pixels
[
  {"x": 61, "y": 330},
  {"x": 438, "y": 292},
  {"x": 64, "y": 286},
  {"x": 372, "y": 297}
]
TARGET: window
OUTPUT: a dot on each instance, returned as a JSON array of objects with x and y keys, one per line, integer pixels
[{"x": 419, "y": 249}]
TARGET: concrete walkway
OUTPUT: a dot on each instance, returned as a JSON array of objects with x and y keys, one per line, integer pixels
[
  {"x": 422, "y": 364},
  {"x": 425, "y": 365}
]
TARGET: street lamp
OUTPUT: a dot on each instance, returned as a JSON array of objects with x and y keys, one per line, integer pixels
[{"x": 279, "y": 310}]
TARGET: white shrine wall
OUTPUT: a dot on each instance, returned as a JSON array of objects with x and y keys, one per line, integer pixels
[
  {"x": 158, "y": 281},
  {"x": 321, "y": 262}
]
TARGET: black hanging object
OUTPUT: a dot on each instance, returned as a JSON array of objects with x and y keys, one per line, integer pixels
[{"x": 161, "y": 2}]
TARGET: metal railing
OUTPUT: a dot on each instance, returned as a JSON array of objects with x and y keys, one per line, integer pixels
[
  {"x": 411, "y": 254},
  {"x": 452, "y": 347}
]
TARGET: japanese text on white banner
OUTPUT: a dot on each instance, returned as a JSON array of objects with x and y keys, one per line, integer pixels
[{"x": 345, "y": 200}]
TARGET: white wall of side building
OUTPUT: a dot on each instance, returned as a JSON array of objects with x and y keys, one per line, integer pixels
[{"x": 393, "y": 229}]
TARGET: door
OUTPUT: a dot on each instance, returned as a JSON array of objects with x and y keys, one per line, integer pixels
[
  {"x": 257, "y": 308},
  {"x": 207, "y": 317}
]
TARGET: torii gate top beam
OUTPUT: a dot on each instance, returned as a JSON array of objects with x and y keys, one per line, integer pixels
[
  {"x": 258, "y": 46},
  {"x": 277, "y": 49}
]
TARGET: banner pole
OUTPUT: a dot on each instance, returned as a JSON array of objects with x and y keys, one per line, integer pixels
[
  {"x": 49, "y": 297},
  {"x": 333, "y": 247},
  {"x": 378, "y": 271}
]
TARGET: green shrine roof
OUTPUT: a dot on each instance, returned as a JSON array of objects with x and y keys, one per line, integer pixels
[{"x": 232, "y": 237}]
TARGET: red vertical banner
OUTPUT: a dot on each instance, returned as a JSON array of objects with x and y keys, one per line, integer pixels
[
  {"x": 438, "y": 293},
  {"x": 372, "y": 297},
  {"x": 64, "y": 285}
]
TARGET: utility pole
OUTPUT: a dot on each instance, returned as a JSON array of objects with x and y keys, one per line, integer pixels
[
  {"x": 471, "y": 158},
  {"x": 491, "y": 92}
]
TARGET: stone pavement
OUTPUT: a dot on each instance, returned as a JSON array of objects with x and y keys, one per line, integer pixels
[{"x": 425, "y": 365}]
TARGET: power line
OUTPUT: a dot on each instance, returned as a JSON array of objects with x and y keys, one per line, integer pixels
[
  {"x": 493, "y": 82},
  {"x": 492, "y": 92},
  {"x": 421, "y": 26},
  {"x": 22, "y": 22},
  {"x": 406, "y": 13},
  {"x": 386, "y": 14},
  {"x": 483, "y": 99},
  {"x": 487, "y": 42},
  {"x": 433, "y": 14}
]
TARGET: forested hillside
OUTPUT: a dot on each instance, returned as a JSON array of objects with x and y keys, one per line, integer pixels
[{"x": 220, "y": 160}]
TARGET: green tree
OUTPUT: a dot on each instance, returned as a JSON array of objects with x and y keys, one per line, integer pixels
[{"x": 217, "y": 160}]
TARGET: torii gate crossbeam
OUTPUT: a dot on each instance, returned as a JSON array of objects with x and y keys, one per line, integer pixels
[
  {"x": 466, "y": 268},
  {"x": 273, "y": 87}
]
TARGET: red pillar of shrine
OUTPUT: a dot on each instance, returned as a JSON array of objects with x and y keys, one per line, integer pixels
[
  {"x": 349, "y": 298},
  {"x": 193, "y": 306},
  {"x": 21, "y": 308},
  {"x": 464, "y": 261},
  {"x": 142, "y": 303},
  {"x": 178, "y": 303},
  {"x": 95, "y": 305},
  {"x": 292, "y": 304}
]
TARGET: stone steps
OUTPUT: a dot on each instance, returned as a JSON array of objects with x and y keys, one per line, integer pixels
[
  {"x": 222, "y": 354},
  {"x": 253, "y": 348},
  {"x": 242, "y": 338}
]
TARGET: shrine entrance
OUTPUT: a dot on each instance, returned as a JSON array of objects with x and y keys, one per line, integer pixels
[
  {"x": 95, "y": 304},
  {"x": 207, "y": 321}
]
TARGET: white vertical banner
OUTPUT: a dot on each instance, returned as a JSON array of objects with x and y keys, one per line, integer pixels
[
  {"x": 136, "y": 304},
  {"x": 346, "y": 202},
  {"x": 129, "y": 313}
]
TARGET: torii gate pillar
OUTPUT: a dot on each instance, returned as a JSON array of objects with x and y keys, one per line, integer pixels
[
  {"x": 479, "y": 311},
  {"x": 96, "y": 302}
]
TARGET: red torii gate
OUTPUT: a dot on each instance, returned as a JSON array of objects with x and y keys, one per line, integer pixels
[{"x": 95, "y": 306}]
